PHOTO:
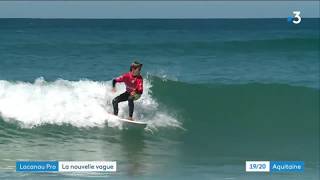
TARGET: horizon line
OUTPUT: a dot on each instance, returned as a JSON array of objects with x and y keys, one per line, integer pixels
[{"x": 180, "y": 18}]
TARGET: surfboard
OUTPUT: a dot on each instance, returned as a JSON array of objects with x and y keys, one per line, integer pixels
[{"x": 130, "y": 124}]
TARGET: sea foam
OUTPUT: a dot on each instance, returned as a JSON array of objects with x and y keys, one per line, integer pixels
[{"x": 83, "y": 103}]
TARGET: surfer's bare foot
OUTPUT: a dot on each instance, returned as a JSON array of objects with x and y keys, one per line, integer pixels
[{"x": 130, "y": 118}]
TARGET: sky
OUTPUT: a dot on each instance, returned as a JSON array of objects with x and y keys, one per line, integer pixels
[{"x": 157, "y": 9}]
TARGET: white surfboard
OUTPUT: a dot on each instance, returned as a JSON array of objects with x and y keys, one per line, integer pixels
[{"x": 131, "y": 124}]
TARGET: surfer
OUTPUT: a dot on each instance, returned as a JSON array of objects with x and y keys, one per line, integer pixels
[{"x": 134, "y": 88}]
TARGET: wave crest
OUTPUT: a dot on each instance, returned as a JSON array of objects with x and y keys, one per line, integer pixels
[{"x": 83, "y": 103}]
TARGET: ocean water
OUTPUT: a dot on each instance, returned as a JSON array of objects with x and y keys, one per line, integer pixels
[{"x": 217, "y": 93}]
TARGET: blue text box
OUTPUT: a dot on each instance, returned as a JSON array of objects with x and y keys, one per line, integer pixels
[
  {"x": 286, "y": 166},
  {"x": 37, "y": 166}
]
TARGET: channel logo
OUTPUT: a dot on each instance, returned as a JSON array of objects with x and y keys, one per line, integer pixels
[{"x": 296, "y": 18}]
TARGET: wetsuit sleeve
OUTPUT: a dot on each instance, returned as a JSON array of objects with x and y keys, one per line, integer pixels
[
  {"x": 118, "y": 79},
  {"x": 139, "y": 88},
  {"x": 114, "y": 83}
]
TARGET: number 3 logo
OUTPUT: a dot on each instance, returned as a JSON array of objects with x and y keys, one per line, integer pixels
[{"x": 297, "y": 17}]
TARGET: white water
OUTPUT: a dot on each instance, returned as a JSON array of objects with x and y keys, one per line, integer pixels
[{"x": 83, "y": 103}]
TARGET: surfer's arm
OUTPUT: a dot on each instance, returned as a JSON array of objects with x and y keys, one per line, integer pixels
[
  {"x": 118, "y": 79},
  {"x": 114, "y": 83}
]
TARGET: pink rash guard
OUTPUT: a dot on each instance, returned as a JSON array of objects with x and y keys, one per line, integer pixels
[{"x": 133, "y": 83}]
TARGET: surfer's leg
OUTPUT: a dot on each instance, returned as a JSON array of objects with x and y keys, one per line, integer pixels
[
  {"x": 131, "y": 106},
  {"x": 122, "y": 97}
]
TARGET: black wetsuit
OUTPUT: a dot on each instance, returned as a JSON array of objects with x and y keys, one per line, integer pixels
[
  {"x": 133, "y": 84},
  {"x": 123, "y": 97}
]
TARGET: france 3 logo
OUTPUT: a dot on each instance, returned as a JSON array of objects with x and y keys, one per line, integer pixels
[{"x": 296, "y": 18}]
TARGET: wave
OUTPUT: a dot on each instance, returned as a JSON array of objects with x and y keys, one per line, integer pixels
[
  {"x": 83, "y": 103},
  {"x": 203, "y": 110},
  {"x": 243, "y": 108}
]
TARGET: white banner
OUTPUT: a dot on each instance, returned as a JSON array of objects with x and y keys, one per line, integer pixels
[{"x": 87, "y": 166}]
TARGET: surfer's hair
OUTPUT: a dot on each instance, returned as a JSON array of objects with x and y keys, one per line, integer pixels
[{"x": 135, "y": 64}]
